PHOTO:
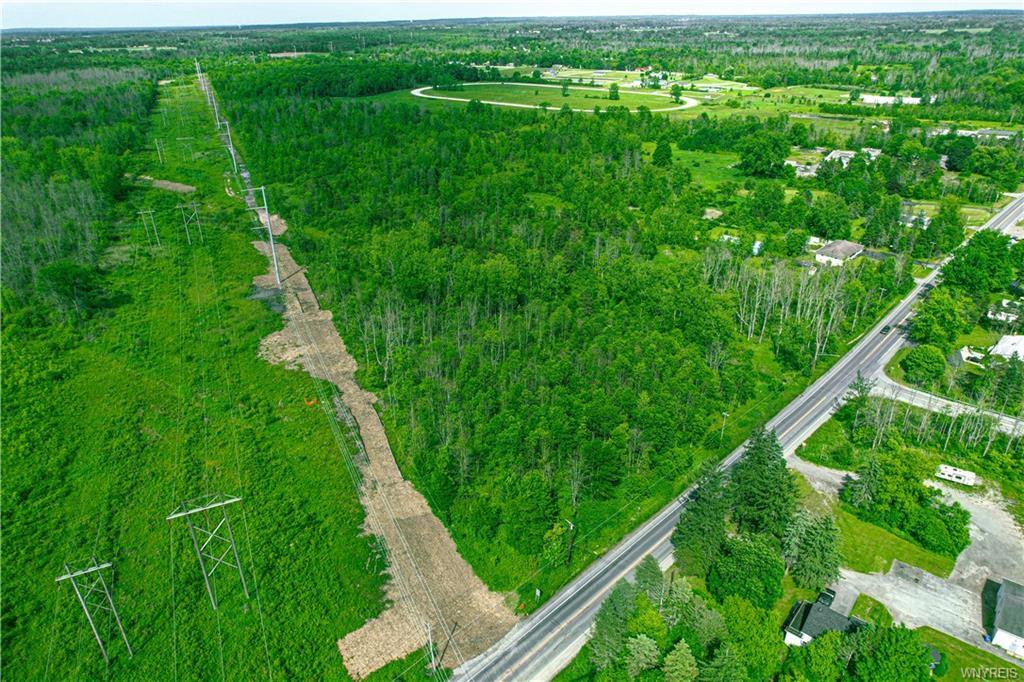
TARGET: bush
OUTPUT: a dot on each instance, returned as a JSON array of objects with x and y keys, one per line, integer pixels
[{"x": 924, "y": 364}]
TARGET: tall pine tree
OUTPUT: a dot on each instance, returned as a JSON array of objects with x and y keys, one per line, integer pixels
[{"x": 764, "y": 492}]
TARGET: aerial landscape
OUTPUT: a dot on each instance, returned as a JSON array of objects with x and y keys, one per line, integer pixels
[{"x": 385, "y": 344}]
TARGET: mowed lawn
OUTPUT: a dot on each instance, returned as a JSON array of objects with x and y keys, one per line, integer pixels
[
  {"x": 871, "y": 549},
  {"x": 967, "y": 662},
  {"x": 536, "y": 95}
]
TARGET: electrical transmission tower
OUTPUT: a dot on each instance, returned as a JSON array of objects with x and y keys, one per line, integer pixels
[
  {"x": 191, "y": 218},
  {"x": 210, "y": 529},
  {"x": 264, "y": 214},
  {"x": 149, "y": 223},
  {"x": 225, "y": 137},
  {"x": 94, "y": 596}
]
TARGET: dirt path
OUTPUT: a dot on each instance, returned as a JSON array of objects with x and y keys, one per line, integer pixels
[{"x": 431, "y": 586}]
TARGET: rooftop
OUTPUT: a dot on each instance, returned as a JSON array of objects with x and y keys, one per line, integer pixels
[
  {"x": 1008, "y": 346},
  {"x": 814, "y": 619},
  {"x": 841, "y": 250},
  {"x": 1010, "y": 612}
]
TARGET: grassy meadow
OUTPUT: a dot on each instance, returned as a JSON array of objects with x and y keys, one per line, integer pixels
[{"x": 161, "y": 397}]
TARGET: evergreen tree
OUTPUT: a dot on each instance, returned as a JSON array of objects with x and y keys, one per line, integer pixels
[
  {"x": 676, "y": 601},
  {"x": 726, "y": 666},
  {"x": 662, "y": 154},
  {"x": 764, "y": 492},
  {"x": 701, "y": 529},
  {"x": 641, "y": 654},
  {"x": 610, "y": 625},
  {"x": 811, "y": 550},
  {"x": 650, "y": 580},
  {"x": 613, "y": 91},
  {"x": 680, "y": 665}
]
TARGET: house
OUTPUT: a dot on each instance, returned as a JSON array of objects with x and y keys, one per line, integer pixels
[
  {"x": 966, "y": 356},
  {"x": 996, "y": 133},
  {"x": 842, "y": 155},
  {"x": 1009, "y": 622},
  {"x": 803, "y": 170},
  {"x": 836, "y": 253},
  {"x": 1009, "y": 346},
  {"x": 872, "y": 152},
  {"x": 961, "y": 476},
  {"x": 1007, "y": 312},
  {"x": 808, "y": 620}
]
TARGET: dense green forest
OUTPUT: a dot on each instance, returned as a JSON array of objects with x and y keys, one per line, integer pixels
[
  {"x": 568, "y": 317},
  {"x": 530, "y": 298}
]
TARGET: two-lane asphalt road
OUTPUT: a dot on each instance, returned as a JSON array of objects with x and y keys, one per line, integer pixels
[{"x": 539, "y": 646}]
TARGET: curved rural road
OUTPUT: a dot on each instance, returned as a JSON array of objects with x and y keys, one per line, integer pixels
[{"x": 421, "y": 92}]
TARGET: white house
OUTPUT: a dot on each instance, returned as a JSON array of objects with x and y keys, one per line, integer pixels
[
  {"x": 961, "y": 476},
  {"x": 1009, "y": 622},
  {"x": 837, "y": 252},
  {"x": 1008, "y": 346}
]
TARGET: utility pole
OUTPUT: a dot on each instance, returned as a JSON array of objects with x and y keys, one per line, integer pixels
[
  {"x": 430, "y": 649},
  {"x": 94, "y": 597},
  {"x": 159, "y": 151},
  {"x": 265, "y": 215},
  {"x": 189, "y": 218},
  {"x": 217, "y": 547},
  {"x": 149, "y": 222}
]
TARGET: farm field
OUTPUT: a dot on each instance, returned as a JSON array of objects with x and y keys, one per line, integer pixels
[{"x": 549, "y": 96}]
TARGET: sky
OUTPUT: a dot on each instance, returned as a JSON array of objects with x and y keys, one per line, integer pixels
[{"x": 154, "y": 13}]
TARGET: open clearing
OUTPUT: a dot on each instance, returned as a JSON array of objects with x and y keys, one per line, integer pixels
[
  {"x": 431, "y": 585},
  {"x": 534, "y": 95},
  {"x": 920, "y": 588}
]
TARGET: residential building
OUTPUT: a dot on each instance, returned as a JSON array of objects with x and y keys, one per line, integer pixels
[
  {"x": 809, "y": 620},
  {"x": 966, "y": 356},
  {"x": 1006, "y": 311},
  {"x": 837, "y": 253},
  {"x": 1008, "y": 627},
  {"x": 842, "y": 155},
  {"x": 1009, "y": 346}
]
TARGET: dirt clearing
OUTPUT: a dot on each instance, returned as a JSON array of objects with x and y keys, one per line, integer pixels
[
  {"x": 169, "y": 185},
  {"x": 430, "y": 585}
]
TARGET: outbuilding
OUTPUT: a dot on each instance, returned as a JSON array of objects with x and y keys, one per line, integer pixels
[{"x": 1009, "y": 622}]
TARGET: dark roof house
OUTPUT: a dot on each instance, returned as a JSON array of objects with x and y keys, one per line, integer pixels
[{"x": 809, "y": 620}]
